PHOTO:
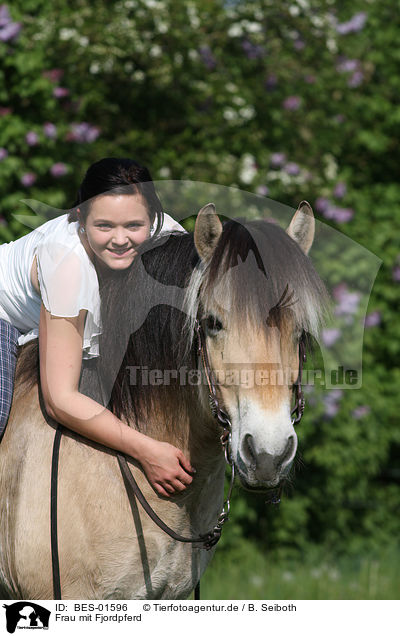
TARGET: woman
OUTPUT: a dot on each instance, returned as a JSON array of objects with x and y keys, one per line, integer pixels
[{"x": 49, "y": 288}]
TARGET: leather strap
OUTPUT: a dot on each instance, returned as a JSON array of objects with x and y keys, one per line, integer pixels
[{"x": 53, "y": 515}]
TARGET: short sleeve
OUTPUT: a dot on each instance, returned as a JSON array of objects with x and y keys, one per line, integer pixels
[
  {"x": 170, "y": 225},
  {"x": 68, "y": 283}
]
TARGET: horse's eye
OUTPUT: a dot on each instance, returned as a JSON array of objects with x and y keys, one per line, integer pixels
[{"x": 213, "y": 325}]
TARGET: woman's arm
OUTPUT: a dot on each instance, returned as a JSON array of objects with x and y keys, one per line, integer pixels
[{"x": 60, "y": 347}]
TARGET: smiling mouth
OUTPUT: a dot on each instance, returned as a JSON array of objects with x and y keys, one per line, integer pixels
[{"x": 120, "y": 252}]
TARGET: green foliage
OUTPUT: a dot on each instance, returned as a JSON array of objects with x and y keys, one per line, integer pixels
[{"x": 269, "y": 96}]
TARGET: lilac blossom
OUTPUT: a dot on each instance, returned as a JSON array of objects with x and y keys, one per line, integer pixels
[
  {"x": 271, "y": 82},
  {"x": 360, "y": 411},
  {"x": 263, "y": 190},
  {"x": 252, "y": 51},
  {"x": 9, "y": 30},
  {"x": 292, "y": 103},
  {"x": 331, "y": 401},
  {"x": 3, "y": 153},
  {"x": 329, "y": 336},
  {"x": 356, "y": 79},
  {"x": 28, "y": 179},
  {"x": 50, "y": 130},
  {"x": 373, "y": 319},
  {"x": 83, "y": 132},
  {"x": 348, "y": 65},
  {"x": 340, "y": 215},
  {"x": 322, "y": 204},
  {"x": 356, "y": 23},
  {"x": 346, "y": 301},
  {"x": 54, "y": 75},
  {"x": 396, "y": 273},
  {"x": 292, "y": 168},
  {"x": 60, "y": 91},
  {"x": 5, "y": 17},
  {"x": 58, "y": 169},
  {"x": 340, "y": 190},
  {"x": 277, "y": 159},
  {"x": 31, "y": 138},
  {"x": 207, "y": 57},
  {"x": 299, "y": 44}
]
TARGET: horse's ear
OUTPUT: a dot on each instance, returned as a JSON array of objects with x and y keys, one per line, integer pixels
[
  {"x": 207, "y": 230},
  {"x": 302, "y": 226}
]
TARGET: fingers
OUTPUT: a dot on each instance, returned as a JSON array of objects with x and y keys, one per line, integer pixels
[{"x": 185, "y": 463}]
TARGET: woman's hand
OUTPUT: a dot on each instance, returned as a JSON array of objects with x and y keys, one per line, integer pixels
[{"x": 166, "y": 467}]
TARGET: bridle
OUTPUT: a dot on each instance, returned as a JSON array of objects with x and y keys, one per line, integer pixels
[{"x": 209, "y": 539}]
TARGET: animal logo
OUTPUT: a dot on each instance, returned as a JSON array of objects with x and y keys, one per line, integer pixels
[{"x": 26, "y": 615}]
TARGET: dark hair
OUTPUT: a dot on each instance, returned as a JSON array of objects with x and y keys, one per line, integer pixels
[{"x": 114, "y": 176}]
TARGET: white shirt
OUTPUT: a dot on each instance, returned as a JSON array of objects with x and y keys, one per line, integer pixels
[{"x": 67, "y": 279}]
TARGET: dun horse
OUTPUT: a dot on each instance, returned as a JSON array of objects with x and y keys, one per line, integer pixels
[{"x": 255, "y": 291}]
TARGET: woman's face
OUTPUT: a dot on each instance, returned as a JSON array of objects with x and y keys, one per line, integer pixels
[{"x": 115, "y": 226}]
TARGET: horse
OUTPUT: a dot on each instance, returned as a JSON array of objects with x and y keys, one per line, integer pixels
[{"x": 254, "y": 289}]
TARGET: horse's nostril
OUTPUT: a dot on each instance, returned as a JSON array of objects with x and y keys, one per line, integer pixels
[
  {"x": 289, "y": 451},
  {"x": 249, "y": 451}
]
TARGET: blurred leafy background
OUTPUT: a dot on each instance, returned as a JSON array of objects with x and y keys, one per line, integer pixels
[{"x": 294, "y": 100}]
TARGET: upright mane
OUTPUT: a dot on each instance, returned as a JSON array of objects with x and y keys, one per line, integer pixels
[{"x": 264, "y": 276}]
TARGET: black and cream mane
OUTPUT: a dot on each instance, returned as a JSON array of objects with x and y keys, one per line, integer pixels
[{"x": 263, "y": 273}]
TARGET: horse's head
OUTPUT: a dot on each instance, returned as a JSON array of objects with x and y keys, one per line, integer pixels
[{"x": 257, "y": 292}]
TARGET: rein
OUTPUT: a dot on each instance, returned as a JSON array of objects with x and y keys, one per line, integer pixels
[{"x": 209, "y": 539}]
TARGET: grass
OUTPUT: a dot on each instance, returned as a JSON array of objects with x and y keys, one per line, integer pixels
[{"x": 252, "y": 575}]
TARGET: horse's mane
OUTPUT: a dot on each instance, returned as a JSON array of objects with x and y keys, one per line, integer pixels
[{"x": 148, "y": 312}]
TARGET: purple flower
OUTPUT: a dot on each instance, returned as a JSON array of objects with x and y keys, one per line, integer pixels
[
  {"x": 373, "y": 319},
  {"x": 58, "y": 169},
  {"x": 331, "y": 402},
  {"x": 340, "y": 215},
  {"x": 292, "y": 103},
  {"x": 31, "y": 138},
  {"x": 356, "y": 79},
  {"x": 291, "y": 168},
  {"x": 347, "y": 302},
  {"x": 5, "y": 111},
  {"x": 59, "y": 92},
  {"x": 28, "y": 179},
  {"x": 3, "y": 153},
  {"x": 50, "y": 130},
  {"x": 356, "y": 23},
  {"x": 5, "y": 17},
  {"x": 396, "y": 273},
  {"x": 54, "y": 75},
  {"x": 83, "y": 132},
  {"x": 277, "y": 159},
  {"x": 299, "y": 45},
  {"x": 340, "y": 190},
  {"x": 322, "y": 204},
  {"x": 348, "y": 66},
  {"x": 271, "y": 82},
  {"x": 10, "y": 31},
  {"x": 207, "y": 57},
  {"x": 360, "y": 411},
  {"x": 329, "y": 336},
  {"x": 252, "y": 51},
  {"x": 310, "y": 79},
  {"x": 263, "y": 190}
]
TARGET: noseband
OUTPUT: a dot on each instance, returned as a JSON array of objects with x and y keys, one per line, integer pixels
[{"x": 209, "y": 539}]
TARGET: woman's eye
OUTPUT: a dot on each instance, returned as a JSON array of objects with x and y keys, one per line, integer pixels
[{"x": 213, "y": 325}]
